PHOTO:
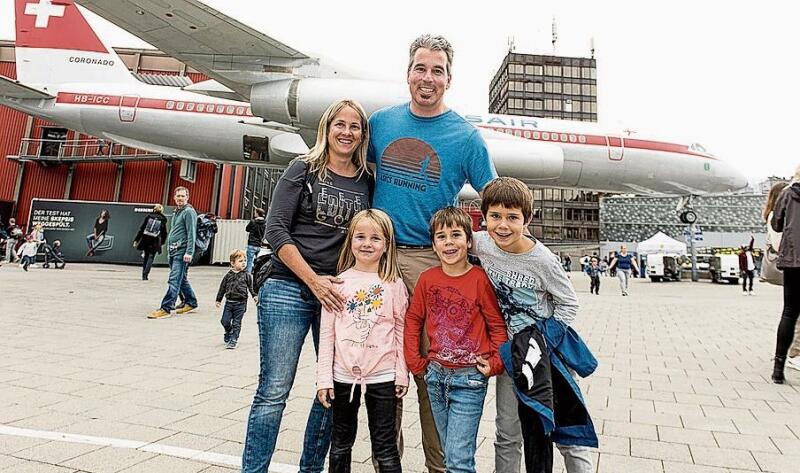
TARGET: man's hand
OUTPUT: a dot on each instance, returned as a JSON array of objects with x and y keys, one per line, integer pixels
[
  {"x": 483, "y": 366},
  {"x": 400, "y": 391},
  {"x": 187, "y": 258},
  {"x": 329, "y": 297},
  {"x": 217, "y": 303},
  {"x": 325, "y": 397}
]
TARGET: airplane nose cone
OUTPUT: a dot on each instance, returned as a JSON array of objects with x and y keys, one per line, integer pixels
[{"x": 737, "y": 179}]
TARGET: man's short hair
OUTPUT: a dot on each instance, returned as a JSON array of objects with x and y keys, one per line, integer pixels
[
  {"x": 236, "y": 254},
  {"x": 452, "y": 217},
  {"x": 509, "y": 192},
  {"x": 181, "y": 188},
  {"x": 434, "y": 43}
]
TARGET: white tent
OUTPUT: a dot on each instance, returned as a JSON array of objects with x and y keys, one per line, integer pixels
[{"x": 661, "y": 243}]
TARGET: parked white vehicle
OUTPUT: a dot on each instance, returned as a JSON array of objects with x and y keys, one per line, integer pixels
[{"x": 724, "y": 268}]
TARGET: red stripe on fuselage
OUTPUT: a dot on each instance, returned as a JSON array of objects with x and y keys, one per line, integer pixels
[
  {"x": 240, "y": 109},
  {"x": 597, "y": 140}
]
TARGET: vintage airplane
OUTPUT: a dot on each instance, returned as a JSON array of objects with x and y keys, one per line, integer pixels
[{"x": 265, "y": 100}]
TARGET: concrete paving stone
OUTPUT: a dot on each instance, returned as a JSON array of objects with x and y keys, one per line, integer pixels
[
  {"x": 723, "y": 457},
  {"x": 236, "y": 449},
  {"x": 50, "y": 421},
  {"x": 677, "y": 408},
  {"x": 10, "y": 444},
  {"x": 201, "y": 424},
  {"x": 225, "y": 393},
  {"x": 706, "y": 423},
  {"x": 764, "y": 428},
  {"x": 156, "y": 417},
  {"x": 646, "y": 394},
  {"x": 116, "y": 411},
  {"x": 754, "y": 443},
  {"x": 777, "y": 463},
  {"x": 698, "y": 399},
  {"x": 660, "y": 450},
  {"x": 166, "y": 463},
  {"x": 220, "y": 469},
  {"x": 760, "y": 395},
  {"x": 610, "y": 463},
  {"x": 16, "y": 412},
  {"x": 217, "y": 408},
  {"x": 673, "y": 467},
  {"x": 31, "y": 466},
  {"x": 56, "y": 452},
  {"x": 728, "y": 413},
  {"x": 76, "y": 405},
  {"x": 671, "y": 420},
  {"x": 628, "y": 429},
  {"x": 190, "y": 389},
  {"x": 195, "y": 442},
  {"x": 119, "y": 430},
  {"x": 686, "y": 436},
  {"x": 631, "y": 404},
  {"x": 108, "y": 459},
  {"x": 26, "y": 380},
  {"x": 175, "y": 402},
  {"x": 752, "y": 404}
]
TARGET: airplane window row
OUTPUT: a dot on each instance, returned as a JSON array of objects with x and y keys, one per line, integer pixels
[
  {"x": 544, "y": 135},
  {"x": 208, "y": 108}
]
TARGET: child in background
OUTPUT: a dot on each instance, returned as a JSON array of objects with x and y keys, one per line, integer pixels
[
  {"x": 594, "y": 276},
  {"x": 455, "y": 304},
  {"x": 234, "y": 287},
  {"x": 361, "y": 347},
  {"x": 28, "y": 252}
]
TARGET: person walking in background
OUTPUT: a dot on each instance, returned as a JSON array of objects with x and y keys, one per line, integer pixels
[
  {"x": 361, "y": 347},
  {"x": 28, "y": 252},
  {"x": 594, "y": 276},
  {"x": 255, "y": 236},
  {"x": 99, "y": 231},
  {"x": 14, "y": 234},
  {"x": 234, "y": 287},
  {"x": 180, "y": 248},
  {"x": 747, "y": 267},
  {"x": 786, "y": 219},
  {"x": 151, "y": 237},
  {"x": 623, "y": 263}
]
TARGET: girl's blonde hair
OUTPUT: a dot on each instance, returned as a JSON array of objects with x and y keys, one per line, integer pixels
[
  {"x": 387, "y": 267},
  {"x": 317, "y": 157}
]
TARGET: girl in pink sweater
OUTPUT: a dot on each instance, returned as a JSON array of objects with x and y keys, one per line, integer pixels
[{"x": 361, "y": 347}]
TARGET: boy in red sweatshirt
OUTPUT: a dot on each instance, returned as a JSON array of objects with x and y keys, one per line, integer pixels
[{"x": 456, "y": 305}]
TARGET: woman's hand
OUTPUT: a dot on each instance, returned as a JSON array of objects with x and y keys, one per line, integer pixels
[
  {"x": 483, "y": 366},
  {"x": 329, "y": 297},
  {"x": 400, "y": 391},
  {"x": 325, "y": 397}
]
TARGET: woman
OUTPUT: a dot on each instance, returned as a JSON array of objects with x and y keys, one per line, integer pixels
[
  {"x": 99, "y": 232},
  {"x": 786, "y": 219},
  {"x": 255, "y": 236},
  {"x": 310, "y": 211},
  {"x": 623, "y": 262},
  {"x": 151, "y": 237}
]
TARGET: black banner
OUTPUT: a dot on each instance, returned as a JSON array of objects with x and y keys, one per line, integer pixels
[{"x": 73, "y": 221}]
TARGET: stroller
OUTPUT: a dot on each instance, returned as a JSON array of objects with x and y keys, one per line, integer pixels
[{"x": 52, "y": 254}]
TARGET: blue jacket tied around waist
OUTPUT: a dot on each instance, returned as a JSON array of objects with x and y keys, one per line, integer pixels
[{"x": 538, "y": 359}]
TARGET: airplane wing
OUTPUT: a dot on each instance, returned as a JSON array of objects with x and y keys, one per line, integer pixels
[
  {"x": 9, "y": 88},
  {"x": 222, "y": 48}
]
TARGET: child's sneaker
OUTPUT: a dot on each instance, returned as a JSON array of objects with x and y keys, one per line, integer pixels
[{"x": 231, "y": 345}]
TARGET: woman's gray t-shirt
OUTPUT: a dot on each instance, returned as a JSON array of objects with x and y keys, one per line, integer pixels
[{"x": 314, "y": 219}]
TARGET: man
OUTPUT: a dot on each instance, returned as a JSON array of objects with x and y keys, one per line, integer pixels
[
  {"x": 180, "y": 247},
  {"x": 424, "y": 153},
  {"x": 13, "y": 233}
]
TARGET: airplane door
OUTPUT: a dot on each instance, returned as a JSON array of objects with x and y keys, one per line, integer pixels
[
  {"x": 616, "y": 147},
  {"x": 127, "y": 108}
]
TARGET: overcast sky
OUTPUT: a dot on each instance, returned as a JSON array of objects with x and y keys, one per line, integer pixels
[{"x": 722, "y": 74}]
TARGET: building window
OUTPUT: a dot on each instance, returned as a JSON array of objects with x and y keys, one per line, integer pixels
[
  {"x": 537, "y": 87},
  {"x": 585, "y": 89},
  {"x": 548, "y": 87},
  {"x": 556, "y": 70},
  {"x": 537, "y": 105},
  {"x": 529, "y": 87},
  {"x": 556, "y": 87},
  {"x": 528, "y": 104},
  {"x": 548, "y": 70},
  {"x": 556, "y": 105}
]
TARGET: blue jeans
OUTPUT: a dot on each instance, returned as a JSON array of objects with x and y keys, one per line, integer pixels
[
  {"x": 147, "y": 264},
  {"x": 178, "y": 282},
  {"x": 286, "y": 311},
  {"x": 232, "y": 315},
  {"x": 457, "y": 403},
  {"x": 252, "y": 252}
]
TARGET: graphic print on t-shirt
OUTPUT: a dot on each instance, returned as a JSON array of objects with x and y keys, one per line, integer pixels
[
  {"x": 364, "y": 307},
  {"x": 451, "y": 314},
  {"x": 410, "y": 163},
  {"x": 516, "y": 296},
  {"x": 336, "y": 206}
]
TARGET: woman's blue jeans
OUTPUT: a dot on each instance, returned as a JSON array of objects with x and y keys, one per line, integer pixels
[{"x": 286, "y": 311}]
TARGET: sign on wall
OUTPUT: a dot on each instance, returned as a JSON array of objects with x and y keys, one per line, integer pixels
[{"x": 72, "y": 221}]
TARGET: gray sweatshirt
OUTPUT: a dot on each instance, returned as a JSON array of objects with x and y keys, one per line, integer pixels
[{"x": 530, "y": 286}]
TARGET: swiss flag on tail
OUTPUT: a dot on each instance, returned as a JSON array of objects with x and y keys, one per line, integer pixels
[{"x": 54, "y": 24}]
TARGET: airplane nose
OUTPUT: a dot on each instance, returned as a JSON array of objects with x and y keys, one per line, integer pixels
[{"x": 736, "y": 179}]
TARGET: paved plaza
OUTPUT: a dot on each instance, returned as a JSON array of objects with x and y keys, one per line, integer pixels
[{"x": 88, "y": 384}]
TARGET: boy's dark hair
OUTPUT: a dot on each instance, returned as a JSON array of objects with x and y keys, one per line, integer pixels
[
  {"x": 509, "y": 192},
  {"x": 451, "y": 217}
]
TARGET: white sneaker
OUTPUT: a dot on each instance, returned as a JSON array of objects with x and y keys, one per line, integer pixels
[
  {"x": 793, "y": 362},
  {"x": 751, "y": 293},
  {"x": 744, "y": 293}
]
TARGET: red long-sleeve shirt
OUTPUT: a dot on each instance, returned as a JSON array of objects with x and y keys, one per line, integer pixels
[{"x": 461, "y": 317}]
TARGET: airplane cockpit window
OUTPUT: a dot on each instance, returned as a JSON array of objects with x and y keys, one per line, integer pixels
[{"x": 698, "y": 147}]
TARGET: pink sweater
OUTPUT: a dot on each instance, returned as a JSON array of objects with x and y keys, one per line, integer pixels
[{"x": 367, "y": 336}]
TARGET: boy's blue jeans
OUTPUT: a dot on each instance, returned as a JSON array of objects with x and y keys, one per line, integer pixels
[
  {"x": 286, "y": 311},
  {"x": 232, "y": 315},
  {"x": 457, "y": 396}
]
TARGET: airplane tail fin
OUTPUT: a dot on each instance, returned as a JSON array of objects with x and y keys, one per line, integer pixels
[{"x": 56, "y": 45}]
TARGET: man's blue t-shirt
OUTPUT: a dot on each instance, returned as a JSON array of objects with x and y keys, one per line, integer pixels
[{"x": 422, "y": 163}]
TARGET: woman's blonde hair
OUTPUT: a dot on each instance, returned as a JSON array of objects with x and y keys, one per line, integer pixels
[
  {"x": 387, "y": 267},
  {"x": 772, "y": 199},
  {"x": 158, "y": 208},
  {"x": 317, "y": 157}
]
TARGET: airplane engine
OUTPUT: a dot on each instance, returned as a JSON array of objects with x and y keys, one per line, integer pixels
[
  {"x": 524, "y": 159},
  {"x": 301, "y": 102}
]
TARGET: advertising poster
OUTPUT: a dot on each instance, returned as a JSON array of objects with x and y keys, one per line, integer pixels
[{"x": 72, "y": 221}]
